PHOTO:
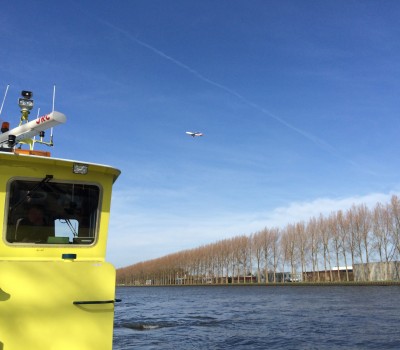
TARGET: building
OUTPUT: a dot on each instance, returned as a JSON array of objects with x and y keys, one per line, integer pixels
[
  {"x": 377, "y": 271},
  {"x": 336, "y": 274}
]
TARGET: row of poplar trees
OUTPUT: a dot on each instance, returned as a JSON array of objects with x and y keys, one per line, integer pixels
[{"x": 359, "y": 235}]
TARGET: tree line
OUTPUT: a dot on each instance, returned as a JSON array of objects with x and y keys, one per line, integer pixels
[{"x": 359, "y": 235}]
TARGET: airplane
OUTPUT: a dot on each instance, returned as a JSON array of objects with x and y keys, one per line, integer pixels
[{"x": 194, "y": 134}]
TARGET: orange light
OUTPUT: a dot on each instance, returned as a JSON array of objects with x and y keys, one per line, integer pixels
[{"x": 5, "y": 126}]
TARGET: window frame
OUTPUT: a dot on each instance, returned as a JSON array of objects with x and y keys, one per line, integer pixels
[{"x": 35, "y": 180}]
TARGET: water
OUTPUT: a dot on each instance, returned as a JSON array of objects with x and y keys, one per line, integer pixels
[{"x": 281, "y": 317}]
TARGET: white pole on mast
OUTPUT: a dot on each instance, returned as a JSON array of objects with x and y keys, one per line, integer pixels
[
  {"x": 54, "y": 100},
  {"x": 54, "y": 96},
  {"x": 4, "y": 98}
]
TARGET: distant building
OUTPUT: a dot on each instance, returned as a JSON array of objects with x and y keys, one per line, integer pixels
[
  {"x": 336, "y": 274},
  {"x": 279, "y": 277},
  {"x": 377, "y": 271}
]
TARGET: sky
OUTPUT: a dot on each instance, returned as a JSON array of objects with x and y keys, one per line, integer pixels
[{"x": 298, "y": 102}]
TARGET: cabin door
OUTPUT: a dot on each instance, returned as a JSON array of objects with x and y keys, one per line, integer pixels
[{"x": 56, "y": 305}]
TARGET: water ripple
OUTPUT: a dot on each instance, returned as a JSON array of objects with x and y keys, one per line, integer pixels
[{"x": 257, "y": 318}]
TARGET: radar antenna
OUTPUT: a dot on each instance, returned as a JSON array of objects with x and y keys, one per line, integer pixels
[{"x": 26, "y": 131}]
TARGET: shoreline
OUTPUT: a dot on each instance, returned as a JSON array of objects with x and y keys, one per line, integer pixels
[{"x": 287, "y": 284}]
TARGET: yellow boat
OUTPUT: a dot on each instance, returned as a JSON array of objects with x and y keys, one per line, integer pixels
[{"x": 56, "y": 289}]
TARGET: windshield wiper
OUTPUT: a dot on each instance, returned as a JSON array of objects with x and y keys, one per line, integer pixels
[{"x": 28, "y": 194}]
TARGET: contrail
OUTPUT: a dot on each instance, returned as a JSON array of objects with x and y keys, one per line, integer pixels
[
  {"x": 316, "y": 140},
  {"x": 219, "y": 86}
]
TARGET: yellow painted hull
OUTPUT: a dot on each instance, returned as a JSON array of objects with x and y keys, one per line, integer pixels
[
  {"x": 44, "y": 305},
  {"x": 55, "y": 296}
]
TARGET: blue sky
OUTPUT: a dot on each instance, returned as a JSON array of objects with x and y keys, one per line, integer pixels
[{"x": 298, "y": 101}]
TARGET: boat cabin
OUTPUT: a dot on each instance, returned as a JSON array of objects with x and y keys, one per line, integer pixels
[
  {"x": 54, "y": 281},
  {"x": 58, "y": 205},
  {"x": 56, "y": 289}
]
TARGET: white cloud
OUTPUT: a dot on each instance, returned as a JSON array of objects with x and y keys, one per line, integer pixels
[{"x": 298, "y": 211}]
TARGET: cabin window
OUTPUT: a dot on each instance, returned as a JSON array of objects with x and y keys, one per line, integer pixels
[{"x": 50, "y": 212}]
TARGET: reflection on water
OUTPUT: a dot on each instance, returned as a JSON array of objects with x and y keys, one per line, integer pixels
[{"x": 257, "y": 318}]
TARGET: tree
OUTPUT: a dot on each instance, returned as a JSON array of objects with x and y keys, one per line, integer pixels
[
  {"x": 303, "y": 243},
  {"x": 334, "y": 229},
  {"x": 256, "y": 240},
  {"x": 326, "y": 237},
  {"x": 343, "y": 232},
  {"x": 315, "y": 246},
  {"x": 394, "y": 208}
]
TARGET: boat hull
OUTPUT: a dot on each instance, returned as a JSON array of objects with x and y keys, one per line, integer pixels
[{"x": 56, "y": 305}]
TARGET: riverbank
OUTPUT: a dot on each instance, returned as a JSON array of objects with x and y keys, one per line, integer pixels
[{"x": 286, "y": 284}]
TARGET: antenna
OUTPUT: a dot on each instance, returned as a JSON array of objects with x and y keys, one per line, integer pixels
[
  {"x": 54, "y": 96},
  {"x": 26, "y": 131},
  {"x": 54, "y": 99},
  {"x": 4, "y": 98}
]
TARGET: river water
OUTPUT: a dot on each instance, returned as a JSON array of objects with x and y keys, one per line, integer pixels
[{"x": 254, "y": 317}]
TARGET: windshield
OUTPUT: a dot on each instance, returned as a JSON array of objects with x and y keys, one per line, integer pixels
[{"x": 49, "y": 212}]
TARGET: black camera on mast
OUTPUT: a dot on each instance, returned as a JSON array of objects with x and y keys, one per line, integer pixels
[{"x": 25, "y": 102}]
